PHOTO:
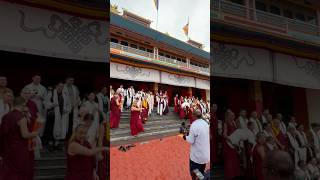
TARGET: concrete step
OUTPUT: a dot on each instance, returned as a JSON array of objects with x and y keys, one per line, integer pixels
[
  {"x": 50, "y": 170},
  {"x": 146, "y": 129},
  {"x": 50, "y": 177},
  {"x": 127, "y": 119},
  {"x": 50, "y": 161},
  {"x": 158, "y": 122}
]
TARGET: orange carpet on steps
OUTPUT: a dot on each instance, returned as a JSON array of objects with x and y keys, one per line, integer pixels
[{"x": 164, "y": 159}]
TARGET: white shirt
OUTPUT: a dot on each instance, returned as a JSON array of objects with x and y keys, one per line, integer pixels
[
  {"x": 242, "y": 135},
  {"x": 200, "y": 142}
]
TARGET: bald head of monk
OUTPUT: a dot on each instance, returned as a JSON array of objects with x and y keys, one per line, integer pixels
[{"x": 279, "y": 166}]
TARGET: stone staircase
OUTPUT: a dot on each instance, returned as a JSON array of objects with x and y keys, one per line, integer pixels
[
  {"x": 155, "y": 128},
  {"x": 51, "y": 165}
]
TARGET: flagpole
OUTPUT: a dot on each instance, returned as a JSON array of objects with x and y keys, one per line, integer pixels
[
  {"x": 188, "y": 28},
  {"x": 157, "y": 19}
]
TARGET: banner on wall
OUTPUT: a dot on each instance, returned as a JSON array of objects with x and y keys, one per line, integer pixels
[
  {"x": 241, "y": 62},
  {"x": 262, "y": 65},
  {"x": 295, "y": 71},
  {"x": 48, "y": 33},
  {"x": 177, "y": 80},
  {"x": 126, "y": 72},
  {"x": 202, "y": 84}
]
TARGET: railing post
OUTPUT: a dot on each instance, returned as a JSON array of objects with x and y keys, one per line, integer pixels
[
  {"x": 188, "y": 62},
  {"x": 155, "y": 53}
]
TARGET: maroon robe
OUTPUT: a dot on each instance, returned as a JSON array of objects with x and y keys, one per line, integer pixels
[
  {"x": 182, "y": 113},
  {"x": 231, "y": 156},
  {"x": 176, "y": 105},
  {"x": 257, "y": 163},
  {"x": 33, "y": 110},
  {"x": 15, "y": 148},
  {"x": 190, "y": 114},
  {"x": 136, "y": 125},
  {"x": 144, "y": 113},
  {"x": 115, "y": 114},
  {"x": 103, "y": 164},
  {"x": 249, "y": 172},
  {"x": 80, "y": 167}
]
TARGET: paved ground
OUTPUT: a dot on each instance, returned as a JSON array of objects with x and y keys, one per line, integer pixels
[{"x": 166, "y": 159}]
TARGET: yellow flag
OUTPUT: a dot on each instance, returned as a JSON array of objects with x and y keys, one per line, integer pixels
[{"x": 186, "y": 29}]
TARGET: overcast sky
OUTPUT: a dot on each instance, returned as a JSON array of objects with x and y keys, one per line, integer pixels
[{"x": 173, "y": 15}]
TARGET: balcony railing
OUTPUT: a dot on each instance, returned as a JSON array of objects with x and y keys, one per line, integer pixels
[
  {"x": 152, "y": 58},
  {"x": 222, "y": 7}
]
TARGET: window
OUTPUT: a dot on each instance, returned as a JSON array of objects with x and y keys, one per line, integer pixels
[
  {"x": 168, "y": 56},
  {"x": 300, "y": 17},
  {"x": 114, "y": 40},
  {"x": 261, "y": 6},
  {"x": 178, "y": 59},
  {"x": 124, "y": 43},
  {"x": 275, "y": 10},
  {"x": 241, "y": 2},
  {"x": 134, "y": 46},
  {"x": 142, "y": 48},
  {"x": 161, "y": 54},
  {"x": 288, "y": 14},
  {"x": 150, "y": 50}
]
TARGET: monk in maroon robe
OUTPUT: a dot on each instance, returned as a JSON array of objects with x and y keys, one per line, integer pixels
[
  {"x": 14, "y": 133},
  {"x": 115, "y": 111},
  {"x": 176, "y": 104},
  {"x": 81, "y": 156},
  {"x": 258, "y": 156},
  {"x": 231, "y": 155},
  {"x": 145, "y": 110},
  {"x": 182, "y": 112},
  {"x": 190, "y": 114},
  {"x": 136, "y": 125}
]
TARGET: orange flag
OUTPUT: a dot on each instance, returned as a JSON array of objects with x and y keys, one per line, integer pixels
[{"x": 186, "y": 28}]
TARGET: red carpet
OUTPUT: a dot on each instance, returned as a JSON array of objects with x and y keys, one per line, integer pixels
[{"x": 155, "y": 160}]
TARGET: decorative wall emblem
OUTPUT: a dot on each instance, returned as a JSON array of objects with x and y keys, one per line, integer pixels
[
  {"x": 178, "y": 79},
  {"x": 230, "y": 57},
  {"x": 133, "y": 72},
  {"x": 311, "y": 68},
  {"x": 74, "y": 33}
]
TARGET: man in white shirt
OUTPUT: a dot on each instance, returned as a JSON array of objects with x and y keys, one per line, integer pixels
[
  {"x": 242, "y": 121},
  {"x": 264, "y": 117},
  {"x": 199, "y": 139}
]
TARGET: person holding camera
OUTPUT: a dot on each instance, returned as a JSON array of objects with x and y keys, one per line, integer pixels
[{"x": 199, "y": 139}]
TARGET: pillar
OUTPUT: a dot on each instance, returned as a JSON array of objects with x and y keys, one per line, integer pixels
[
  {"x": 155, "y": 52},
  {"x": 250, "y": 4},
  {"x": 256, "y": 96},
  {"x": 188, "y": 62},
  {"x": 155, "y": 88},
  {"x": 190, "y": 91},
  {"x": 207, "y": 95}
]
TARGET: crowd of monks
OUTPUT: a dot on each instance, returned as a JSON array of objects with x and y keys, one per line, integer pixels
[
  {"x": 185, "y": 106},
  {"x": 44, "y": 118},
  {"x": 142, "y": 103},
  {"x": 249, "y": 140}
]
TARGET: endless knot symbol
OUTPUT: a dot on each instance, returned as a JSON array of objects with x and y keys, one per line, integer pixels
[{"x": 73, "y": 32}]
